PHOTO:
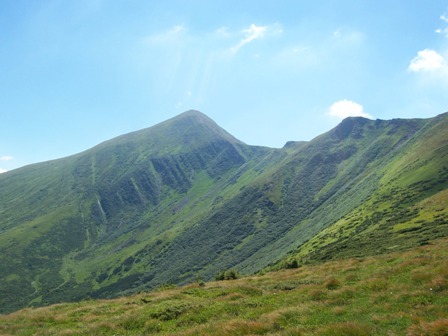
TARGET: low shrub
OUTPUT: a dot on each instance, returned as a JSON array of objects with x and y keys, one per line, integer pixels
[
  {"x": 227, "y": 275},
  {"x": 291, "y": 264}
]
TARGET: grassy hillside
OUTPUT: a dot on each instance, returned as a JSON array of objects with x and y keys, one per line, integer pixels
[
  {"x": 184, "y": 199},
  {"x": 90, "y": 224},
  {"x": 400, "y": 293},
  {"x": 408, "y": 205}
]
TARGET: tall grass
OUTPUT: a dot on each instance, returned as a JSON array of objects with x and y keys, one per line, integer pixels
[{"x": 402, "y": 293}]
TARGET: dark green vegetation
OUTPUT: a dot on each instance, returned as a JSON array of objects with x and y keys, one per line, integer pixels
[
  {"x": 184, "y": 199},
  {"x": 400, "y": 293}
]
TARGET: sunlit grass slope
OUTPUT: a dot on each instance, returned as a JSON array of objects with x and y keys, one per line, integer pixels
[
  {"x": 400, "y": 293},
  {"x": 406, "y": 203}
]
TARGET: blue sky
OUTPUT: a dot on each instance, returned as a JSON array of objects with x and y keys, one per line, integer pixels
[{"x": 79, "y": 72}]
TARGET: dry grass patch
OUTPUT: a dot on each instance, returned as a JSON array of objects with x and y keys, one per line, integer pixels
[
  {"x": 346, "y": 329},
  {"x": 436, "y": 328},
  {"x": 296, "y": 331},
  {"x": 332, "y": 284},
  {"x": 240, "y": 327},
  {"x": 318, "y": 294},
  {"x": 421, "y": 276},
  {"x": 375, "y": 284},
  {"x": 286, "y": 318},
  {"x": 352, "y": 278}
]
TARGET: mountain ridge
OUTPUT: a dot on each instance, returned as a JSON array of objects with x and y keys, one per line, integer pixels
[{"x": 184, "y": 197}]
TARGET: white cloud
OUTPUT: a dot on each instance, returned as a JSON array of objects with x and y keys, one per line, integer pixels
[
  {"x": 252, "y": 33},
  {"x": 6, "y": 158},
  {"x": 443, "y": 31},
  {"x": 427, "y": 60},
  {"x": 2, "y": 170},
  {"x": 347, "y": 108}
]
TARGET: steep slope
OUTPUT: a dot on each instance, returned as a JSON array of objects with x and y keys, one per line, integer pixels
[
  {"x": 71, "y": 226},
  {"x": 313, "y": 188},
  {"x": 184, "y": 199},
  {"x": 407, "y": 206}
]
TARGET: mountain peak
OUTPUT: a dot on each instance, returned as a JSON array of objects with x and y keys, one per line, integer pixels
[
  {"x": 192, "y": 113},
  {"x": 348, "y": 126},
  {"x": 188, "y": 130},
  {"x": 192, "y": 126},
  {"x": 190, "y": 117}
]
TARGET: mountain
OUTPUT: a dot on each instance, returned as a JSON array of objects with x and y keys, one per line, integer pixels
[{"x": 185, "y": 199}]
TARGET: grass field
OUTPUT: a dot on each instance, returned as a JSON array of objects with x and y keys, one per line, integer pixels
[{"x": 401, "y": 293}]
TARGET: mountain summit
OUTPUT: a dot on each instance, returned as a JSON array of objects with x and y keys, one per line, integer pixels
[
  {"x": 185, "y": 198},
  {"x": 191, "y": 129}
]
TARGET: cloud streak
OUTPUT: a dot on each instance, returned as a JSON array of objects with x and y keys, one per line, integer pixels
[
  {"x": 166, "y": 37},
  {"x": 347, "y": 108},
  {"x": 252, "y": 33}
]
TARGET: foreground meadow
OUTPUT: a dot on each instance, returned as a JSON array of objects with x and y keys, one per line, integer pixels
[{"x": 401, "y": 293}]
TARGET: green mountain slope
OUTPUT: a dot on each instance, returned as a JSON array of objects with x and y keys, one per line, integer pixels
[
  {"x": 96, "y": 219},
  {"x": 184, "y": 199},
  {"x": 404, "y": 197}
]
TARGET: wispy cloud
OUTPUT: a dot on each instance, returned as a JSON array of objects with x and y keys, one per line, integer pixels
[
  {"x": 427, "y": 60},
  {"x": 347, "y": 108},
  {"x": 6, "y": 158},
  {"x": 166, "y": 36},
  {"x": 444, "y": 30},
  {"x": 252, "y": 33}
]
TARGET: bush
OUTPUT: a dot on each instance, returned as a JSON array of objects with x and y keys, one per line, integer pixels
[
  {"x": 199, "y": 281},
  {"x": 292, "y": 264},
  {"x": 227, "y": 275}
]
